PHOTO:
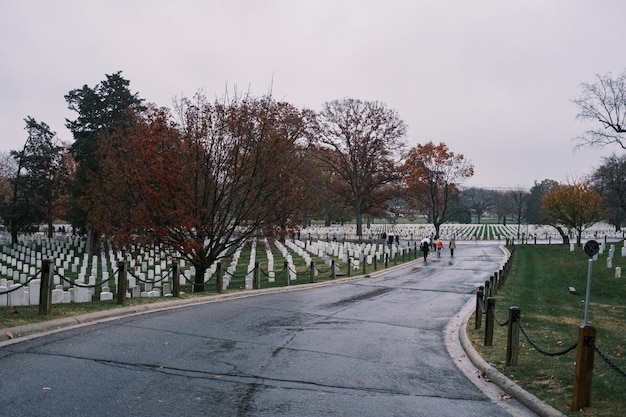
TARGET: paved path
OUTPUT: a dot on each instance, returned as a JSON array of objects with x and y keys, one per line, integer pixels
[{"x": 368, "y": 347}]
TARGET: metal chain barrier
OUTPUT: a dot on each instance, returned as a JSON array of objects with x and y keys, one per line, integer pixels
[
  {"x": 74, "y": 283},
  {"x": 608, "y": 360},
  {"x": 495, "y": 317},
  {"x": 232, "y": 275},
  {"x": 145, "y": 281},
  {"x": 544, "y": 352},
  {"x": 482, "y": 306},
  {"x": 22, "y": 285},
  {"x": 321, "y": 271}
]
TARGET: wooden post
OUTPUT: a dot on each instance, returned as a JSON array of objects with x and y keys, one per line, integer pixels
[
  {"x": 286, "y": 269},
  {"x": 584, "y": 367},
  {"x": 512, "y": 337},
  {"x": 45, "y": 290},
  {"x": 364, "y": 263},
  {"x": 491, "y": 303},
  {"x": 332, "y": 269},
  {"x": 175, "y": 279},
  {"x": 375, "y": 263},
  {"x": 479, "y": 300},
  {"x": 122, "y": 282},
  {"x": 493, "y": 285},
  {"x": 312, "y": 271},
  {"x": 487, "y": 289},
  {"x": 349, "y": 267},
  {"x": 257, "y": 275},
  {"x": 220, "y": 278}
]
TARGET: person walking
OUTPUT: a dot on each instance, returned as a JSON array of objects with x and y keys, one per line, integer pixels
[
  {"x": 452, "y": 246},
  {"x": 425, "y": 247},
  {"x": 439, "y": 247}
]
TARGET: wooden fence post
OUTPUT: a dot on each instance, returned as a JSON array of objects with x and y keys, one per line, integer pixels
[
  {"x": 480, "y": 295},
  {"x": 375, "y": 263},
  {"x": 286, "y": 269},
  {"x": 175, "y": 279},
  {"x": 491, "y": 303},
  {"x": 45, "y": 290},
  {"x": 584, "y": 367},
  {"x": 122, "y": 282},
  {"x": 312, "y": 271},
  {"x": 332, "y": 269},
  {"x": 257, "y": 275},
  {"x": 349, "y": 267},
  {"x": 220, "y": 278},
  {"x": 512, "y": 336}
]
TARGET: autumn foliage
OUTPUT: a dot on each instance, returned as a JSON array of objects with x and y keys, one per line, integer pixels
[
  {"x": 204, "y": 182},
  {"x": 576, "y": 206},
  {"x": 432, "y": 174}
]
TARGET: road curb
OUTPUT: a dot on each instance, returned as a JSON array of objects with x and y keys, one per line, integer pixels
[{"x": 505, "y": 384}]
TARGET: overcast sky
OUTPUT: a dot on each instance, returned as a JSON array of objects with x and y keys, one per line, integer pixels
[{"x": 493, "y": 79}]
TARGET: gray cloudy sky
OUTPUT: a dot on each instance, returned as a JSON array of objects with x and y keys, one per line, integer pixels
[{"x": 493, "y": 79}]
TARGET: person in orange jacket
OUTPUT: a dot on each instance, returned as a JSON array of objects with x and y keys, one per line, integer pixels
[{"x": 439, "y": 246}]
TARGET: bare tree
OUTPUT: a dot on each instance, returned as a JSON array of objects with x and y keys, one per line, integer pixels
[
  {"x": 479, "y": 201},
  {"x": 517, "y": 206},
  {"x": 605, "y": 102},
  {"x": 358, "y": 141},
  {"x": 610, "y": 180}
]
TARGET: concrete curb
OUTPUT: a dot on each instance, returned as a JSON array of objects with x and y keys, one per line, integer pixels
[{"x": 505, "y": 384}]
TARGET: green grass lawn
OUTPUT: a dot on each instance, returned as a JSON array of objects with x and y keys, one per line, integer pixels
[{"x": 538, "y": 284}]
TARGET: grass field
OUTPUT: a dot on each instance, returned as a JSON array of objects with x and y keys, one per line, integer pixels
[{"x": 538, "y": 284}]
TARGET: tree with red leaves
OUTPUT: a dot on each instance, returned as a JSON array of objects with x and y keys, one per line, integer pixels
[
  {"x": 432, "y": 174},
  {"x": 206, "y": 183}
]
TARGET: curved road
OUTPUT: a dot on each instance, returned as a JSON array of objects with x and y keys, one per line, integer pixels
[{"x": 362, "y": 347}]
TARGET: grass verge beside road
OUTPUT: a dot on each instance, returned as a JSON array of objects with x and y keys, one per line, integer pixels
[{"x": 538, "y": 284}]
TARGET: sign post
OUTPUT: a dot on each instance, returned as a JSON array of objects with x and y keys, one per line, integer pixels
[
  {"x": 591, "y": 249},
  {"x": 583, "y": 372}
]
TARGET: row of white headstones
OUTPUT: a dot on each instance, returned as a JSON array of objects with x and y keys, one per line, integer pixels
[
  {"x": 149, "y": 270},
  {"x": 450, "y": 231},
  {"x": 147, "y": 278}
]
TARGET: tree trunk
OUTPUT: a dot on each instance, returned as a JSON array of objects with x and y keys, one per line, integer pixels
[
  {"x": 564, "y": 236},
  {"x": 13, "y": 235},
  {"x": 359, "y": 218},
  {"x": 198, "y": 283},
  {"x": 437, "y": 227}
]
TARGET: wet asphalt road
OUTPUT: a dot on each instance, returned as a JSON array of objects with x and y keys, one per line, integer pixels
[{"x": 367, "y": 347}]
